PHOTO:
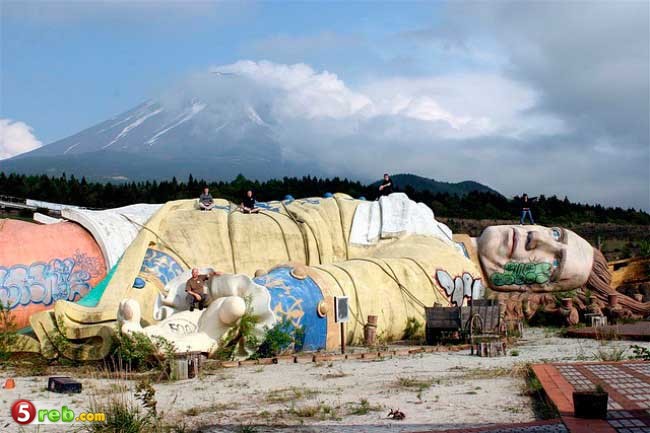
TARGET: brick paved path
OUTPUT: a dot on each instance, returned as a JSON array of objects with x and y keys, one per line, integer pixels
[{"x": 628, "y": 385}]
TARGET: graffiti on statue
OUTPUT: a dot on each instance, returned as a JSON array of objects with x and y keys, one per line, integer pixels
[
  {"x": 44, "y": 283},
  {"x": 522, "y": 274},
  {"x": 161, "y": 265},
  {"x": 267, "y": 207},
  {"x": 460, "y": 287}
]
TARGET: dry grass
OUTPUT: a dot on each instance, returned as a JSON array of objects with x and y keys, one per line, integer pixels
[
  {"x": 320, "y": 411},
  {"x": 334, "y": 375},
  {"x": 215, "y": 407},
  {"x": 285, "y": 395}
]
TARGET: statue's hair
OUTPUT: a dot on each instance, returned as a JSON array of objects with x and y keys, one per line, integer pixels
[{"x": 600, "y": 278}]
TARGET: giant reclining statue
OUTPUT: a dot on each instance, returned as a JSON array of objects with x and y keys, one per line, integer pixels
[{"x": 390, "y": 258}]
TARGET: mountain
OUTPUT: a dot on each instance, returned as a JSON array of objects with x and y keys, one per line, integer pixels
[
  {"x": 419, "y": 183},
  {"x": 183, "y": 136},
  {"x": 156, "y": 141}
]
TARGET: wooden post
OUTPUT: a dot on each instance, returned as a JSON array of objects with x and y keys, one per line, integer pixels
[{"x": 342, "y": 337}]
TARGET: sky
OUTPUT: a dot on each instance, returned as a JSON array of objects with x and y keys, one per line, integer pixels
[{"x": 546, "y": 97}]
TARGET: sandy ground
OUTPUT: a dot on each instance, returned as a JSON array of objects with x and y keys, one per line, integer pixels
[{"x": 436, "y": 391}]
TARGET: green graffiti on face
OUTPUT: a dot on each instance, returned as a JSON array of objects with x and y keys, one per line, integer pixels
[{"x": 520, "y": 274}]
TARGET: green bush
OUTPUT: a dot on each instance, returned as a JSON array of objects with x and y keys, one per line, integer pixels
[
  {"x": 640, "y": 352},
  {"x": 276, "y": 340},
  {"x": 8, "y": 334},
  {"x": 413, "y": 329},
  {"x": 240, "y": 338},
  {"x": 139, "y": 352}
]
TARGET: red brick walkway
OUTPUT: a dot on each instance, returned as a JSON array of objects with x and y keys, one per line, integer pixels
[{"x": 628, "y": 385}]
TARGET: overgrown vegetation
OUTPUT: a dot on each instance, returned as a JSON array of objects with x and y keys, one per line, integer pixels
[
  {"x": 542, "y": 406},
  {"x": 139, "y": 352},
  {"x": 610, "y": 353},
  {"x": 122, "y": 415},
  {"x": 8, "y": 334},
  {"x": 640, "y": 352},
  {"x": 241, "y": 338},
  {"x": 284, "y": 395},
  {"x": 362, "y": 407},
  {"x": 279, "y": 338},
  {"x": 321, "y": 411},
  {"x": 413, "y": 330}
]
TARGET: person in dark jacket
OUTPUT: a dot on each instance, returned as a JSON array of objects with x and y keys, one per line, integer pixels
[
  {"x": 248, "y": 205},
  {"x": 387, "y": 186},
  {"x": 525, "y": 202}
]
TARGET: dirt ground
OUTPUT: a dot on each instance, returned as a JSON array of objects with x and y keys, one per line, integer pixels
[{"x": 434, "y": 390}]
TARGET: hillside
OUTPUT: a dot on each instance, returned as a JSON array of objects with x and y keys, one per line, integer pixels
[{"x": 420, "y": 184}]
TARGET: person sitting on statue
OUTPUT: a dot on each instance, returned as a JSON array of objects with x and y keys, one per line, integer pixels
[
  {"x": 386, "y": 186},
  {"x": 248, "y": 204},
  {"x": 195, "y": 288},
  {"x": 206, "y": 202}
]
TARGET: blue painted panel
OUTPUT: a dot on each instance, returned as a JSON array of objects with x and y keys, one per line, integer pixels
[
  {"x": 162, "y": 265},
  {"x": 297, "y": 300}
]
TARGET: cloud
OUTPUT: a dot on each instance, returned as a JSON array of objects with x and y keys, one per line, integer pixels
[
  {"x": 16, "y": 138},
  {"x": 494, "y": 128},
  {"x": 411, "y": 124}
]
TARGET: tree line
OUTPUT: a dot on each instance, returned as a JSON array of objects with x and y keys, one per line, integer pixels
[{"x": 474, "y": 205}]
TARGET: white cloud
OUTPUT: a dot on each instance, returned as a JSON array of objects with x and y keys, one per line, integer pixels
[
  {"x": 16, "y": 138},
  {"x": 457, "y": 106}
]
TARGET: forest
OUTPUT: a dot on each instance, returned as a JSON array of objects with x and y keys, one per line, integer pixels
[{"x": 473, "y": 205}]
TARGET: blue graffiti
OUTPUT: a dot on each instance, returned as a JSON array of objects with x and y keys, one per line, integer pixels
[
  {"x": 44, "y": 283},
  {"x": 266, "y": 206},
  {"x": 162, "y": 265},
  {"x": 224, "y": 208},
  {"x": 313, "y": 201}
]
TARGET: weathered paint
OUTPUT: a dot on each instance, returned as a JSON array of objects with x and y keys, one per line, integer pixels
[
  {"x": 40, "y": 264},
  {"x": 297, "y": 301}
]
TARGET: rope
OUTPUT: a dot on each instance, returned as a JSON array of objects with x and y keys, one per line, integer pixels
[
  {"x": 359, "y": 321},
  {"x": 284, "y": 237},
  {"x": 320, "y": 255},
  {"x": 169, "y": 247},
  {"x": 413, "y": 297},
  {"x": 302, "y": 233},
  {"x": 354, "y": 286},
  {"x": 394, "y": 278},
  {"x": 345, "y": 241},
  {"x": 232, "y": 249}
]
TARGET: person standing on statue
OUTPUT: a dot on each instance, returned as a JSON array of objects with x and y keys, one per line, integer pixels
[{"x": 526, "y": 202}]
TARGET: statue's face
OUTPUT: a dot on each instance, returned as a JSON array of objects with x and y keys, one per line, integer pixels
[{"x": 534, "y": 258}]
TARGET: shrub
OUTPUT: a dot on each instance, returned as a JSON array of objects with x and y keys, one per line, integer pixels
[
  {"x": 138, "y": 352},
  {"x": 276, "y": 340},
  {"x": 8, "y": 334},
  {"x": 640, "y": 352},
  {"x": 239, "y": 336},
  {"x": 413, "y": 329}
]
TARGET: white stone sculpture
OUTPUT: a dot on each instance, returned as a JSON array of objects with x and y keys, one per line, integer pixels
[{"x": 229, "y": 296}]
